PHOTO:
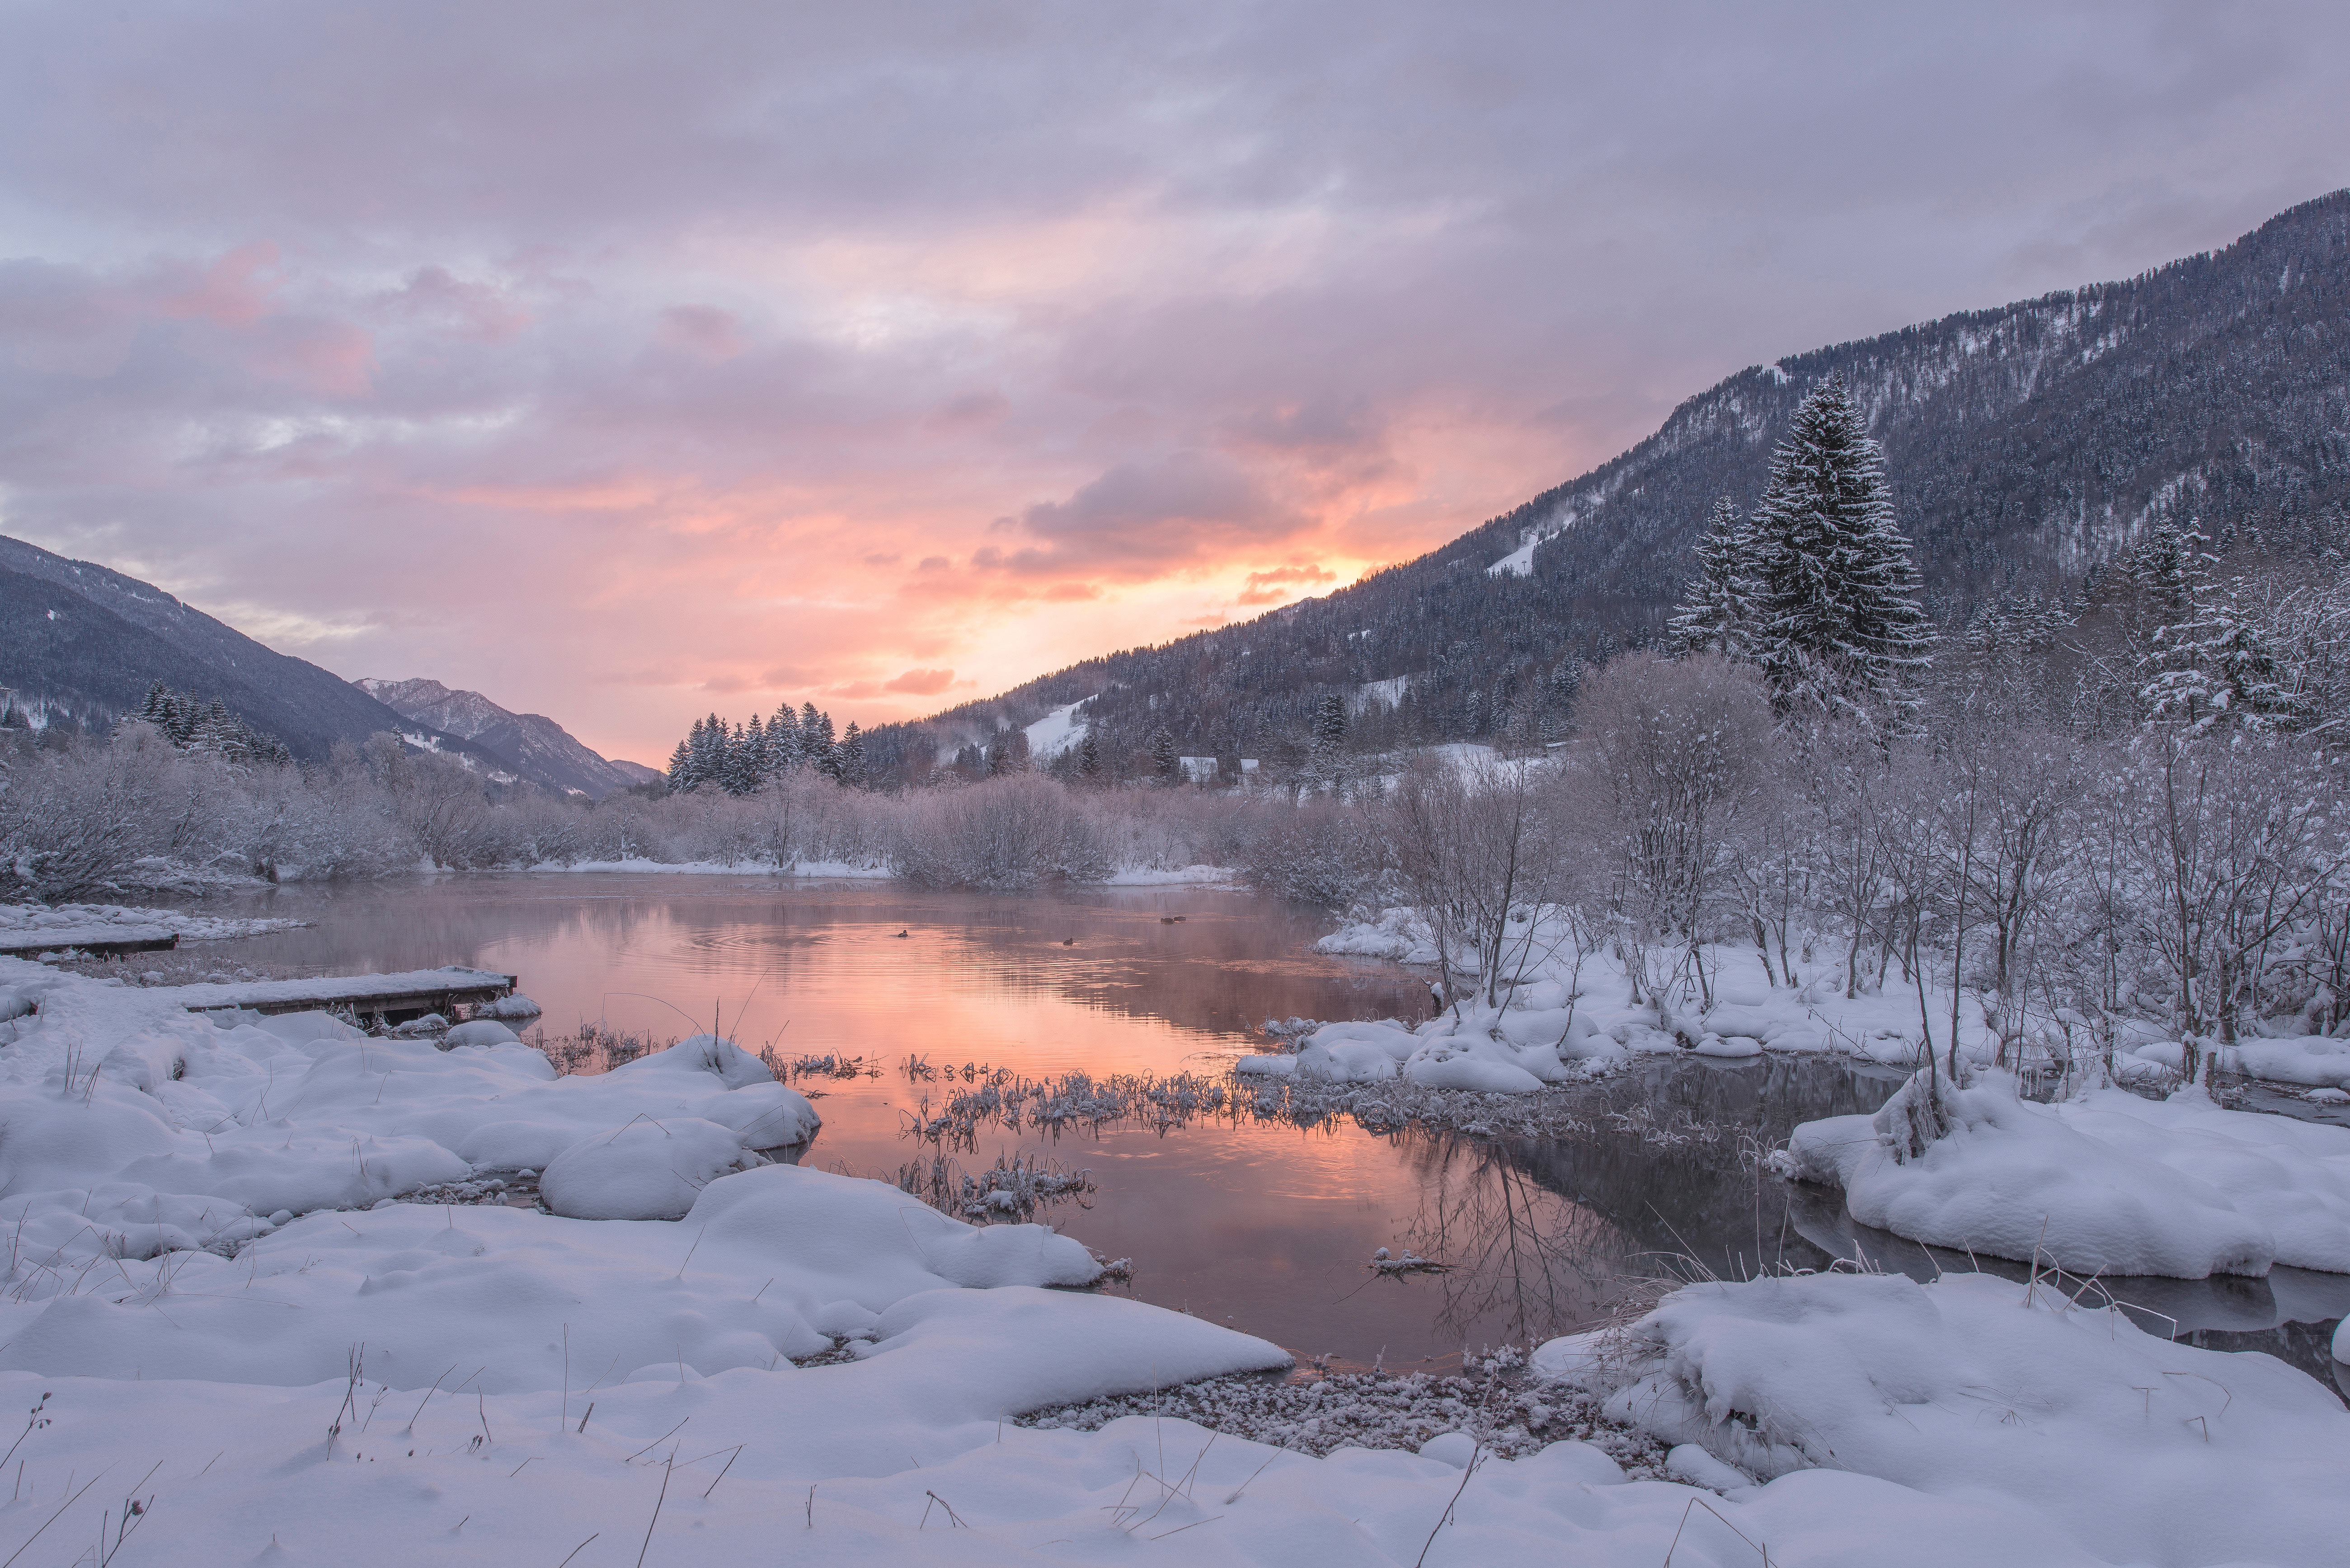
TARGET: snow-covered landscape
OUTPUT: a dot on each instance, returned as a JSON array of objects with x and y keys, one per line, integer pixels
[
  {"x": 1421, "y": 787},
  {"x": 266, "y": 1292}
]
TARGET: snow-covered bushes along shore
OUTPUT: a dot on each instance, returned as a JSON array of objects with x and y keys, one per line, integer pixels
[{"x": 79, "y": 816}]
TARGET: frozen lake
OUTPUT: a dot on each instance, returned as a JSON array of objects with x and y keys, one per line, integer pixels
[{"x": 1266, "y": 1226}]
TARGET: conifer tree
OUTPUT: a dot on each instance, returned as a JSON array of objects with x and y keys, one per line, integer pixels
[
  {"x": 1165, "y": 762},
  {"x": 758, "y": 755},
  {"x": 852, "y": 756},
  {"x": 2219, "y": 668},
  {"x": 1837, "y": 624},
  {"x": 1329, "y": 740},
  {"x": 1712, "y": 617},
  {"x": 1088, "y": 757}
]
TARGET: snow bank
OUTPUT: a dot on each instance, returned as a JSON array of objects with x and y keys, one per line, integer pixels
[
  {"x": 64, "y": 925},
  {"x": 529, "y": 1384},
  {"x": 2138, "y": 1449},
  {"x": 2109, "y": 1183},
  {"x": 1487, "y": 1051},
  {"x": 1181, "y": 876}
]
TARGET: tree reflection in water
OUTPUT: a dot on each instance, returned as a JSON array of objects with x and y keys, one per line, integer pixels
[{"x": 1522, "y": 1258}]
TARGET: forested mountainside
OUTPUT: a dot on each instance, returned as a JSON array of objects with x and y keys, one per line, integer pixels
[
  {"x": 2027, "y": 446},
  {"x": 539, "y": 749},
  {"x": 82, "y": 643}
]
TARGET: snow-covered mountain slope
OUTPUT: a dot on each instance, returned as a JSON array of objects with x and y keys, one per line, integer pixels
[
  {"x": 2026, "y": 445},
  {"x": 541, "y": 750},
  {"x": 79, "y": 638}
]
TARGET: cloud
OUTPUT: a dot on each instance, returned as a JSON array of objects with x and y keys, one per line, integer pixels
[
  {"x": 702, "y": 329},
  {"x": 1273, "y": 586},
  {"x": 603, "y": 378}
]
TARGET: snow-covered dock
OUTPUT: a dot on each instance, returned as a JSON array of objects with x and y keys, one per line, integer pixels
[
  {"x": 98, "y": 941},
  {"x": 374, "y": 998}
]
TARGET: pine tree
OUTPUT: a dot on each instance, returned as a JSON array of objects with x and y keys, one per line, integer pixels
[
  {"x": 1713, "y": 618},
  {"x": 1837, "y": 624},
  {"x": 1165, "y": 762},
  {"x": 1088, "y": 758},
  {"x": 852, "y": 756},
  {"x": 1330, "y": 738},
  {"x": 2217, "y": 668},
  {"x": 2169, "y": 565},
  {"x": 818, "y": 742},
  {"x": 758, "y": 753}
]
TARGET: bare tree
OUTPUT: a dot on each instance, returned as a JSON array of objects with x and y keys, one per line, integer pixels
[{"x": 1671, "y": 751}]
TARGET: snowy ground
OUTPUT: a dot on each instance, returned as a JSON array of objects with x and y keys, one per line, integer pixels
[
  {"x": 835, "y": 869},
  {"x": 1750, "y": 1015},
  {"x": 64, "y": 925},
  {"x": 218, "y": 1308},
  {"x": 2103, "y": 1180}
]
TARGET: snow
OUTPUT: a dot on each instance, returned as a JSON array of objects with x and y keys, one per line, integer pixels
[
  {"x": 2107, "y": 1183},
  {"x": 1518, "y": 563},
  {"x": 1388, "y": 693},
  {"x": 834, "y": 869},
  {"x": 66, "y": 925},
  {"x": 234, "y": 1249},
  {"x": 1980, "y": 1390},
  {"x": 1172, "y": 877},
  {"x": 324, "y": 988},
  {"x": 1055, "y": 732},
  {"x": 645, "y": 1170}
]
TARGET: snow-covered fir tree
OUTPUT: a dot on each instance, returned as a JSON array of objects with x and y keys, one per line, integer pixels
[
  {"x": 1165, "y": 760},
  {"x": 1089, "y": 764},
  {"x": 1712, "y": 617},
  {"x": 1837, "y": 626},
  {"x": 1328, "y": 739},
  {"x": 852, "y": 756},
  {"x": 2217, "y": 668}
]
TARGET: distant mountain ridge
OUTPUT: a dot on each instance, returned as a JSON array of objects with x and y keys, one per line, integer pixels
[
  {"x": 79, "y": 637},
  {"x": 539, "y": 749},
  {"x": 2027, "y": 446}
]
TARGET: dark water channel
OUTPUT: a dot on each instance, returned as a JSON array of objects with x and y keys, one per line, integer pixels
[{"x": 1263, "y": 1224}]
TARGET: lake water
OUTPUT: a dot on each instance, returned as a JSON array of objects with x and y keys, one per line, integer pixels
[{"x": 1267, "y": 1226}]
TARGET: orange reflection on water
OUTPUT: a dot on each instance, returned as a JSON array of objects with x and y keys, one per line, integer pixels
[{"x": 1265, "y": 1226}]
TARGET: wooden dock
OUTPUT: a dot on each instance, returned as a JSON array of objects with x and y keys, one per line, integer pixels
[
  {"x": 373, "y": 998},
  {"x": 99, "y": 941}
]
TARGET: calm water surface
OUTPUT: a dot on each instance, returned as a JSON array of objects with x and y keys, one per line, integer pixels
[{"x": 1268, "y": 1227}]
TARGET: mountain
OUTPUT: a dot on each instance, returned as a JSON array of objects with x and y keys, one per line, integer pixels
[
  {"x": 79, "y": 639},
  {"x": 2027, "y": 446},
  {"x": 539, "y": 749}
]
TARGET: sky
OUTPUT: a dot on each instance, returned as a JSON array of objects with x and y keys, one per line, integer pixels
[{"x": 625, "y": 363}]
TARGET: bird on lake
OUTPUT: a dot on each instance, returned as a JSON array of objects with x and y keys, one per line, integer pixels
[
  {"x": 901, "y": 933},
  {"x": 1068, "y": 941}
]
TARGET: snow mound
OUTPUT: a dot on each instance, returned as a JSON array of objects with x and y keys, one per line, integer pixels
[
  {"x": 646, "y": 1170},
  {"x": 2142, "y": 1449},
  {"x": 2109, "y": 1183}
]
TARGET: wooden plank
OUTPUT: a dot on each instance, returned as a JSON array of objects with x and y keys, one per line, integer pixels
[
  {"x": 97, "y": 940},
  {"x": 389, "y": 998}
]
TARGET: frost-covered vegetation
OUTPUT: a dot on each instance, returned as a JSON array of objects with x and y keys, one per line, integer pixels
[{"x": 84, "y": 814}]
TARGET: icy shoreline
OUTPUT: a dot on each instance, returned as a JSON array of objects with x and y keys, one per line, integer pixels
[{"x": 212, "y": 1267}]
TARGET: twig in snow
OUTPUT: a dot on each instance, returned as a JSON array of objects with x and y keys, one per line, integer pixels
[
  {"x": 648, "y": 1546},
  {"x": 722, "y": 1474}
]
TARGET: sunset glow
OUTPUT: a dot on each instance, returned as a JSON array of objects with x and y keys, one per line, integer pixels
[{"x": 889, "y": 360}]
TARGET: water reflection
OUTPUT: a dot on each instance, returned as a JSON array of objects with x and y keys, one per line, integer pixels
[{"x": 1266, "y": 1225}]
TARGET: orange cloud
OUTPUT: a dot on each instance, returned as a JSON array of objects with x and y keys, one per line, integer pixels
[{"x": 1272, "y": 587}]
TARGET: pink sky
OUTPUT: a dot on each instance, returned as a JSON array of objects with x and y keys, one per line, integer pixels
[{"x": 626, "y": 364}]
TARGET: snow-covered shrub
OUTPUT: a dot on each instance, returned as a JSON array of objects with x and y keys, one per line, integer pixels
[{"x": 1017, "y": 831}]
